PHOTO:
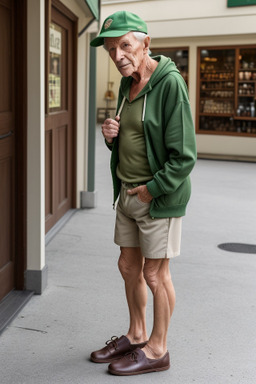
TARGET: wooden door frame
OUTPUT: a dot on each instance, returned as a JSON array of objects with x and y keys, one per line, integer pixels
[
  {"x": 66, "y": 12},
  {"x": 20, "y": 78}
]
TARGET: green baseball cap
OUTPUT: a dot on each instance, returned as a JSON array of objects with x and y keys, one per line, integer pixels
[{"x": 119, "y": 24}]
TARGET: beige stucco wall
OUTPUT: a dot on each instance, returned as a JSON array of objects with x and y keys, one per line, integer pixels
[
  {"x": 188, "y": 23},
  {"x": 80, "y": 9}
]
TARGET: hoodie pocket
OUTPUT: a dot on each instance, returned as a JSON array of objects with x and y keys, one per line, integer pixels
[{"x": 179, "y": 197}]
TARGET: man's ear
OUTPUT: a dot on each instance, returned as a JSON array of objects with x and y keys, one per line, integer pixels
[{"x": 146, "y": 44}]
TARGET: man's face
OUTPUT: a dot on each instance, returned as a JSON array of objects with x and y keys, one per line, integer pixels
[{"x": 126, "y": 52}]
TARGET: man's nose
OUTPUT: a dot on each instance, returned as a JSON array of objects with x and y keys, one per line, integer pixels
[{"x": 119, "y": 54}]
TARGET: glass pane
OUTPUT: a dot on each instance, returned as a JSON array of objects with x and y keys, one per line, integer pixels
[
  {"x": 217, "y": 90},
  {"x": 178, "y": 56},
  {"x": 55, "y": 68},
  {"x": 246, "y": 83}
]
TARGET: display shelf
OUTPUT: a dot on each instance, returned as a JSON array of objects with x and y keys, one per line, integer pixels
[
  {"x": 245, "y": 118},
  {"x": 231, "y": 133},
  {"x": 226, "y": 91},
  {"x": 216, "y": 89},
  {"x": 217, "y": 114}
]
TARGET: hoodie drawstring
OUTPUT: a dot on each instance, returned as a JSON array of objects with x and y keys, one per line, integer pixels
[
  {"x": 143, "y": 111},
  {"x": 121, "y": 107},
  {"x": 144, "y": 107}
]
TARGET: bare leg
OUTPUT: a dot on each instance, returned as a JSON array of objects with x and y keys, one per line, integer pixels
[
  {"x": 131, "y": 264},
  {"x": 158, "y": 277}
]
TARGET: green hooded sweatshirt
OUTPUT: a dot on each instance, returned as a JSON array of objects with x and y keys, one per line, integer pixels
[{"x": 169, "y": 136}]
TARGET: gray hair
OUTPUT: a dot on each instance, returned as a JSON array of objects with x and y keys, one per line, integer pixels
[{"x": 140, "y": 36}]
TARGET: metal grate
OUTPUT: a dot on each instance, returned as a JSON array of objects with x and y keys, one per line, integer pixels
[{"x": 238, "y": 247}]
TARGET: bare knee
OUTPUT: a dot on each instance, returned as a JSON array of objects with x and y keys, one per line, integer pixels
[
  {"x": 150, "y": 275},
  {"x": 124, "y": 266},
  {"x": 130, "y": 263},
  {"x": 156, "y": 273}
]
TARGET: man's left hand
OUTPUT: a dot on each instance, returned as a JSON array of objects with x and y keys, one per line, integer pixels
[{"x": 142, "y": 192}]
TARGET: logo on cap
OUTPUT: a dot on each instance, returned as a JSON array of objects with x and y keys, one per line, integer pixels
[{"x": 108, "y": 23}]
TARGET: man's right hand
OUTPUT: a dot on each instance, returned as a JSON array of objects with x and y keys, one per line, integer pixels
[{"x": 110, "y": 129}]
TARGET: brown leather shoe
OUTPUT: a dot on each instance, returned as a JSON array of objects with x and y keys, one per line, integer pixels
[
  {"x": 136, "y": 362},
  {"x": 115, "y": 349}
]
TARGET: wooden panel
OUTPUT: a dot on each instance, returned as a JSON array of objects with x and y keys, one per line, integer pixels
[
  {"x": 62, "y": 164},
  {"x": 6, "y": 121},
  {"x": 6, "y": 59},
  {"x": 6, "y": 217},
  {"x": 60, "y": 116},
  {"x": 48, "y": 174},
  {"x": 6, "y": 3},
  {"x": 6, "y": 206},
  {"x": 7, "y": 157},
  {"x": 6, "y": 279}
]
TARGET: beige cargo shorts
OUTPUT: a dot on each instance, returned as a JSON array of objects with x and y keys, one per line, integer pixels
[{"x": 157, "y": 238}]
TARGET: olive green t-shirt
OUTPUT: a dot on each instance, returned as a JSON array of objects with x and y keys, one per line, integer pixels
[{"x": 133, "y": 164}]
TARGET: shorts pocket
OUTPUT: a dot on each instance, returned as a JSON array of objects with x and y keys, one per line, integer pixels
[{"x": 139, "y": 201}]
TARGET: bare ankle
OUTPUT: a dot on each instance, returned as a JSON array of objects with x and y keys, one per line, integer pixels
[
  {"x": 154, "y": 352},
  {"x": 135, "y": 339}
]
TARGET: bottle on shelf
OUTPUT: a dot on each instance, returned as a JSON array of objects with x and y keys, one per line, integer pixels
[
  {"x": 246, "y": 109},
  {"x": 252, "y": 110}
]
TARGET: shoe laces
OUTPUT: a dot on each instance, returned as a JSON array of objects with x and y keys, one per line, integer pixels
[
  {"x": 112, "y": 343},
  {"x": 132, "y": 356}
]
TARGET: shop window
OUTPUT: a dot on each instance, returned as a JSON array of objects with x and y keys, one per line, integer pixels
[{"x": 226, "y": 90}]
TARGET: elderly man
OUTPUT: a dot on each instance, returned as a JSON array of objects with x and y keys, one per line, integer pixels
[{"x": 153, "y": 148}]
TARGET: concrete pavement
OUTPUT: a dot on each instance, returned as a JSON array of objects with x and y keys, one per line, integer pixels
[{"x": 212, "y": 337}]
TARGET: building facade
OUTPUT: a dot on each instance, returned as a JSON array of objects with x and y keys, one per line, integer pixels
[
  {"x": 47, "y": 128},
  {"x": 214, "y": 45}
]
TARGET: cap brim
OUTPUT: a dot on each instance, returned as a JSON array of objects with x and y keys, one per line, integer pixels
[{"x": 99, "y": 40}]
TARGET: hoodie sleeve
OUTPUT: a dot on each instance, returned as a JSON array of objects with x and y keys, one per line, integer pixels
[{"x": 179, "y": 141}]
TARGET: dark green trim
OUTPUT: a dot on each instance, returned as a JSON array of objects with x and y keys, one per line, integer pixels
[
  {"x": 96, "y": 15},
  {"x": 92, "y": 119},
  {"x": 94, "y": 7},
  {"x": 240, "y": 3}
]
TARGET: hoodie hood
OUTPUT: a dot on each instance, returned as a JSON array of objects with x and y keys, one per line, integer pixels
[{"x": 165, "y": 67}]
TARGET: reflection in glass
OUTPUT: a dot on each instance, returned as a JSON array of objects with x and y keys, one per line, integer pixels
[{"x": 55, "y": 67}]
